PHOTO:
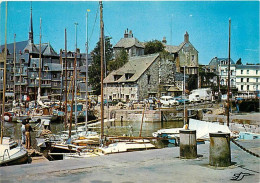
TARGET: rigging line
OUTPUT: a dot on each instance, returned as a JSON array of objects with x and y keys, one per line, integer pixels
[
  {"x": 110, "y": 36},
  {"x": 94, "y": 25}
]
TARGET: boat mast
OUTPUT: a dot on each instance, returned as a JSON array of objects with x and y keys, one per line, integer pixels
[
  {"x": 73, "y": 90},
  {"x": 76, "y": 110},
  {"x": 61, "y": 87},
  {"x": 102, "y": 60},
  {"x": 20, "y": 62},
  {"x": 184, "y": 110},
  {"x": 228, "y": 89},
  {"x": 4, "y": 77},
  {"x": 87, "y": 67},
  {"x": 14, "y": 63},
  {"x": 40, "y": 57},
  {"x": 66, "y": 84}
]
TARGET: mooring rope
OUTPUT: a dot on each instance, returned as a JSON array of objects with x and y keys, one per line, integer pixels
[{"x": 246, "y": 150}]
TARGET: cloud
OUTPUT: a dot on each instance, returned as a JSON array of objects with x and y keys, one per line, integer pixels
[{"x": 248, "y": 49}]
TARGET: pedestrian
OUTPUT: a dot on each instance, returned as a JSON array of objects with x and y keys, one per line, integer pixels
[
  {"x": 28, "y": 130},
  {"x": 23, "y": 130}
]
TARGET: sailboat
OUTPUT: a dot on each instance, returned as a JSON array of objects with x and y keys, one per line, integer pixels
[{"x": 10, "y": 151}]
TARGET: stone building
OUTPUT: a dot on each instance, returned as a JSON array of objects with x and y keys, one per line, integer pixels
[
  {"x": 132, "y": 45},
  {"x": 141, "y": 77},
  {"x": 184, "y": 55}
]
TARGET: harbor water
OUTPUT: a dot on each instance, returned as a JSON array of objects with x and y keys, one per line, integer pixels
[{"x": 13, "y": 130}]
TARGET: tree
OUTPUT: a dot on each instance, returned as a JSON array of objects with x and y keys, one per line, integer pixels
[
  {"x": 239, "y": 62},
  {"x": 120, "y": 60},
  {"x": 94, "y": 71},
  {"x": 154, "y": 46}
]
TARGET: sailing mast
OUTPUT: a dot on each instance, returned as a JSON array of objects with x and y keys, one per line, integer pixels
[
  {"x": 4, "y": 77},
  {"x": 66, "y": 84},
  {"x": 73, "y": 90},
  {"x": 14, "y": 63},
  {"x": 87, "y": 67},
  {"x": 102, "y": 60},
  {"x": 76, "y": 110},
  {"x": 228, "y": 89},
  {"x": 40, "y": 57}
]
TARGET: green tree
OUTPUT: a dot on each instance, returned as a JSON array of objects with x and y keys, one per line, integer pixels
[
  {"x": 94, "y": 71},
  {"x": 153, "y": 46},
  {"x": 120, "y": 60}
]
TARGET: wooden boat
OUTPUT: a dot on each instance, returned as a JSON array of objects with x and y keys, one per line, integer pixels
[{"x": 11, "y": 153}]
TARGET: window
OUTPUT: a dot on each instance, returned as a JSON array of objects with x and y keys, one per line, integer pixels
[
  {"x": 222, "y": 72},
  {"x": 55, "y": 84},
  {"x": 46, "y": 68},
  {"x": 132, "y": 95},
  {"x": 257, "y": 80},
  {"x": 148, "y": 79},
  {"x": 256, "y": 87},
  {"x": 256, "y": 71},
  {"x": 241, "y": 80},
  {"x": 247, "y": 80},
  {"x": 242, "y": 87},
  {"x": 247, "y": 87},
  {"x": 241, "y": 71},
  {"x": 54, "y": 75},
  {"x": 247, "y": 71},
  {"x": 192, "y": 57}
]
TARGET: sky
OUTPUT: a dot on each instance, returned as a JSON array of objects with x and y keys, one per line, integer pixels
[{"x": 207, "y": 23}]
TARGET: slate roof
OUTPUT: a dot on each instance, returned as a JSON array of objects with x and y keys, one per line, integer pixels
[
  {"x": 248, "y": 67},
  {"x": 128, "y": 43},
  {"x": 19, "y": 47},
  {"x": 136, "y": 66},
  {"x": 31, "y": 48},
  {"x": 216, "y": 61},
  {"x": 173, "y": 49},
  {"x": 46, "y": 49},
  {"x": 54, "y": 67}
]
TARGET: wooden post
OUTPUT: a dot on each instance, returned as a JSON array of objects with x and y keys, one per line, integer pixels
[
  {"x": 102, "y": 60},
  {"x": 228, "y": 89}
]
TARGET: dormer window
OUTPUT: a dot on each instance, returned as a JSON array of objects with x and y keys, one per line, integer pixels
[
  {"x": 128, "y": 76},
  {"x": 46, "y": 68},
  {"x": 117, "y": 77}
]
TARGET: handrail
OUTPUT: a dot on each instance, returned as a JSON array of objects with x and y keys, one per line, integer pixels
[{"x": 4, "y": 154}]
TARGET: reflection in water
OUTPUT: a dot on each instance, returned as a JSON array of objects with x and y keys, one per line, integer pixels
[{"x": 13, "y": 130}]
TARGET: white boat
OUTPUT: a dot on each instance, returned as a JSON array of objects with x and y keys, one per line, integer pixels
[
  {"x": 11, "y": 153},
  {"x": 126, "y": 146},
  {"x": 203, "y": 128}
]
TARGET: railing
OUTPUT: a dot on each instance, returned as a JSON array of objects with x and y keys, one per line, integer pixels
[{"x": 6, "y": 150}]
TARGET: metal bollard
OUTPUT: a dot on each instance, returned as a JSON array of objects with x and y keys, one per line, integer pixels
[
  {"x": 219, "y": 150},
  {"x": 188, "y": 144}
]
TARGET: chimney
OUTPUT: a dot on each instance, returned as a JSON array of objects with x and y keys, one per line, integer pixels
[
  {"x": 126, "y": 33},
  {"x": 186, "y": 37},
  {"x": 78, "y": 50},
  {"x": 164, "y": 40},
  {"x": 130, "y": 34}
]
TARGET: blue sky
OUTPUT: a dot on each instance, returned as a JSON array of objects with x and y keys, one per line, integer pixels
[{"x": 205, "y": 21}]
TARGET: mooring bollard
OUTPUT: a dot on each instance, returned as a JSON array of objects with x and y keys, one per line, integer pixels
[
  {"x": 219, "y": 150},
  {"x": 188, "y": 144}
]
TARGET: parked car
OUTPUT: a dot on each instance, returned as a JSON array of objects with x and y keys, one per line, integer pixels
[
  {"x": 151, "y": 100},
  {"x": 182, "y": 100},
  {"x": 168, "y": 101}
]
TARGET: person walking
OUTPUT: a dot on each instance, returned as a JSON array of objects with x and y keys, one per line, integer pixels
[
  {"x": 23, "y": 131},
  {"x": 28, "y": 130}
]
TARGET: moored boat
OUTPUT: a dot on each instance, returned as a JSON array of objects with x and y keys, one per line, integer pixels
[{"x": 11, "y": 153}]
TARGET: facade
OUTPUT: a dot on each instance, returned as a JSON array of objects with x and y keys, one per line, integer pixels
[
  {"x": 141, "y": 77},
  {"x": 185, "y": 55},
  {"x": 23, "y": 69},
  {"x": 129, "y": 43},
  {"x": 248, "y": 78}
]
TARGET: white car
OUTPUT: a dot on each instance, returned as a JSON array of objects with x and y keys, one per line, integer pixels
[{"x": 168, "y": 101}]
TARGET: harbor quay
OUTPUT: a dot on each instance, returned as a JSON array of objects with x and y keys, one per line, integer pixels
[{"x": 158, "y": 165}]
